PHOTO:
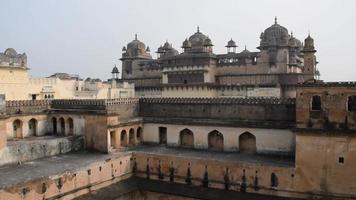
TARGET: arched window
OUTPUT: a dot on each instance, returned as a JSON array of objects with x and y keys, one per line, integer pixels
[
  {"x": 71, "y": 126},
  {"x": 216, "y": 141},
  {"x": 186, "y": 138},
  {"x": 351, "y": 103},
  {"x": 123, "y": 138},
  {"x": 247, "y": 143},
  {"x": 54, "y": 125},
  {"x": 316, "y": 103},
  {"x": 63, "y": 126},
  {"x": 32, "y": 127},
  {"x": 45, "y": 96},
  {"x": 132, "y": 137},
  {"x": 139, "y": 135},
  {"x": 17, "y": 128}
]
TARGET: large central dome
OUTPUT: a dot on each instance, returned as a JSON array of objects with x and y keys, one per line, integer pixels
[
  {"x": 275, "y": 35},
  {"x": 197, "y": 39},
  {"x": 198, "y": 43}
]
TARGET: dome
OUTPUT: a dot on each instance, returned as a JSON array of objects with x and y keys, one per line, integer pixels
[
  {"x": 245, "y": 51},
  {"x": 115, "y": 70},
  {"x": 167, "y": 46},
  {"x": 197, "y": 39},
  {"x": 136, "y": 48},
  {"x": 208, "y": 43},
  {"x": 231, "y": 43},
  {"x": 10, "y": 52},
  {"x": 292, "y": 41},
  {"x": 274, "y": 35},
  {"x": 186, "y": 44}
]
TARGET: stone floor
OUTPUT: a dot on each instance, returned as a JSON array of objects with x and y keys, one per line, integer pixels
[{"x": 14, "y": 174}]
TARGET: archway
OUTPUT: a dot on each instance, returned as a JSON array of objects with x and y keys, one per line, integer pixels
[
  {"x": 112, "y": 139},
  {"x": 131, "y": 137},
  {"x": 139, "y": 135},
  {"x": 71, "y": 126},
  {"x": 247, "y": 143},
  {"x": 63, "y": 126},
  {"x": 17, "y": 128},
  {"x": 216, "y": 141},
  {"x": 123, "y": 138},
  {"x": 32, "y": 127},
  {"x": 186, "y": 138},
  {"x": 54, "y": 125}
]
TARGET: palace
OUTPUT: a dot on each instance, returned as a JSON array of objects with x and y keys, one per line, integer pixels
[
  {"x": 281, "y": 63},
  {"x": 249, "y": 125}
]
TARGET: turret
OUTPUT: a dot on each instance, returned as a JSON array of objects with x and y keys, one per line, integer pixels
[{"x": 309, "y": 58}]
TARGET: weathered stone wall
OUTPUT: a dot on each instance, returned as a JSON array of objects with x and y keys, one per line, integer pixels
[
  {"x": 27, "y": 106},
  {"x": 333, "y": 113},
  {"x": 21, "y": 151},
  {"x": 326, "y": 163},
  {"x": 217, "y": 173},
  {"x": 255, "y": 112},
  {"x": 72, "y": 183},
  {"x": 96, "y": 132}
]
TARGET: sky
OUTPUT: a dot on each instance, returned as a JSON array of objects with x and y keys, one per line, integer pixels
[{"x": 85, "y": 37}]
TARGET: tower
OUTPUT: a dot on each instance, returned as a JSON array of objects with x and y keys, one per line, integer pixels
[
  {"x": 131, "y": 55},
  {"x": 309, "y": 58}
]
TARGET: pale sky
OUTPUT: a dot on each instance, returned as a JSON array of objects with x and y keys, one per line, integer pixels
[{"x": 85, "y": 37}]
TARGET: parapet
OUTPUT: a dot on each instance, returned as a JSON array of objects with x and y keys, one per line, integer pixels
[
  {"x": 220, "y": 100},
  {"x": 27, "y": 106},
  {"x": 315, "y": 83}
]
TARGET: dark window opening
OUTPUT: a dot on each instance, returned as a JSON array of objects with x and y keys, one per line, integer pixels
[
  {"x": 316, "y": 103},
  {"x": 274, "y": 180},
  {"x": 341, "y": 160},
  {"x": 185, "y": 81},
  {"x": 33, "y": 97},
  {"x": 351, "y": 103},
  {"x": 162, "y": 135}
]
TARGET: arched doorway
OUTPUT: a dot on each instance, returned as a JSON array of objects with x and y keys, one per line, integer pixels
[
  {"x": 54, "y": 125},
  {"x": 123, "y": 138},
  {"x": 216, "y": 141},
  {"x": 247, "y": 143},
  {"x": 186, "y": 138},
  {"x": 131, "y": 137},
  {"x": 63, "y": 126},
  {"x": 112, "y": 139},
  {"x": 32, "y": 127},
  {"x": 139, "y": 135},
  {"x": 17, "y": 128},
  {"x": 71, "y": 126}
]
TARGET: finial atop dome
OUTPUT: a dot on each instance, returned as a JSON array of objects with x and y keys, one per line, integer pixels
[
  {"x": 275, "y": 20},
  {"x": 136, "y": 36},
  {"x": 198, "y": 30}
]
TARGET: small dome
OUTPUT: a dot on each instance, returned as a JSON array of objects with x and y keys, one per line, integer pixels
[
  {"x": 115, "y": 70},
  {"x": 148, "y": 49},
  {"x": 10, "y": 52},
  {"x": 123, "y": 48},
  {"x": 160, "y": 50},
  {"x": 292, "y": 41},
  {"x": 231, "y": 43},
  {"x": 208, "y": 43},
  {"x": 245, "y": 51},
  {"x": 186, "y": 44},
  {"x": 167, "y": 46}
]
